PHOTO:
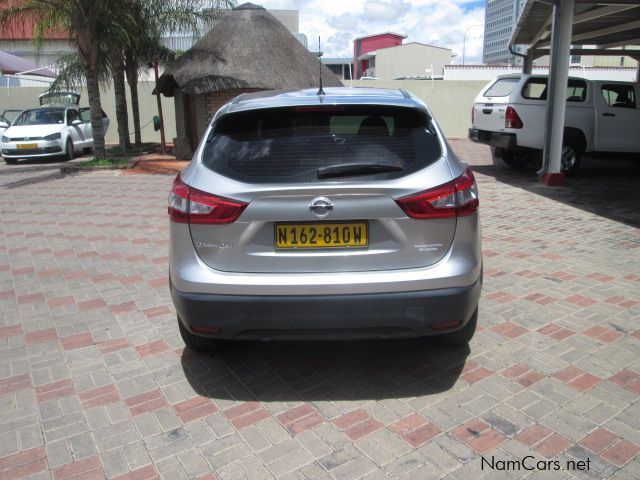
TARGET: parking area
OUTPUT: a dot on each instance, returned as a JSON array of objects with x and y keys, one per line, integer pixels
[{"x": 95, "y": 381}]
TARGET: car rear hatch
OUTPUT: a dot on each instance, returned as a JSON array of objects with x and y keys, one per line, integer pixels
[
  {"x": 490, "y": 105},
  {"x": 302, "y": 190}
]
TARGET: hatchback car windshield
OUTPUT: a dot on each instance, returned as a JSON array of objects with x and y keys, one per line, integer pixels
[
  {"x": 317, "y": 143},
  {"x": 41, "y": 116}
]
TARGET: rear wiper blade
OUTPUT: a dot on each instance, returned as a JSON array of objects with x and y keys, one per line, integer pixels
[{"x": 347, "y": 169}]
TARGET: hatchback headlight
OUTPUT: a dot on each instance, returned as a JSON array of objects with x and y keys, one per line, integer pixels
[
  {"x": 5, "y": 139},
  {"x": 53, "y": 136}
]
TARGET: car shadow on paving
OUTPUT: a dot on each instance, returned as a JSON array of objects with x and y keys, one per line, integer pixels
[
  {"x": 315, "y": 371},
  {"x": 604, "y": 187},
  {"x": 56, "y": 175}
]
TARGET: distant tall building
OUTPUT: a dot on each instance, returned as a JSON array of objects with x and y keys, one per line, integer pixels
[{"x": 500, "y": 18}]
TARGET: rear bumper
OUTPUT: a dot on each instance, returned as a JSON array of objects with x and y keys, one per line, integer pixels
[
  {"x": 330, "y": 317},
  {"x": 504, "y": 140}
]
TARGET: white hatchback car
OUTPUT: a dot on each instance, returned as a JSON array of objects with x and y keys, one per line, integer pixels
[{"x": 49, "y": 131}]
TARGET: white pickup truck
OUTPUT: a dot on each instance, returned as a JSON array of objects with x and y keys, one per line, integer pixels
[{"x": 602, "y": 116}]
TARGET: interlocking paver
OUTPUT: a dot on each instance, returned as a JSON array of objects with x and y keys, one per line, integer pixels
[{"x": 95, "y": 382}]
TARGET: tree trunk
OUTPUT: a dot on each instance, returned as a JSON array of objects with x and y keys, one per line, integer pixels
[
  {"x": 132, "y": 79},
  {"x": 135, "y": 106},
  {"x": 122, "y": 115},
  {"x": 95, "y": 107}
]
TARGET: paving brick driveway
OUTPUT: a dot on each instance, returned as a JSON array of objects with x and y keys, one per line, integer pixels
[{"x": 95, "y": 382}]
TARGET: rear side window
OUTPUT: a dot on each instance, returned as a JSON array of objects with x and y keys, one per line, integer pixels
[
  {"x": 287, "y": 145},
  {"x": 536, "y": 89},
  {"x": 502, "y": 87},
  {"x": 619, "y": 96}
]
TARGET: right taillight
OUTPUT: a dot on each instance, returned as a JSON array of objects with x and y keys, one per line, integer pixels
[
  {"x": 188, "y": 205},
  {"x": 511, "y": 119},
  {"x": 456, "y": 198}
]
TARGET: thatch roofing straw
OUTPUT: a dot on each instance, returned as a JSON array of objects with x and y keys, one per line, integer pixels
[{"x": 247, "y": 48}]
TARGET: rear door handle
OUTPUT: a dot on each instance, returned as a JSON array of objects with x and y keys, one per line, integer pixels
[{"x": 608, "y": 114}]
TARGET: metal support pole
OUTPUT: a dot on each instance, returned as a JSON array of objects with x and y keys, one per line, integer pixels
[
  {"x": 527, "y": 65},
  {"x": 557, "y": 92},
  {"x": 163, "y": 142}
]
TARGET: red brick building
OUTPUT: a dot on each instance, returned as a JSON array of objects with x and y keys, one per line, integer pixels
[{"x": 370, "y": 43}]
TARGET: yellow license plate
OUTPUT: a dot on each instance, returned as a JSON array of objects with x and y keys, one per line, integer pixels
[
  {"x": 321, "y": 235},
  {"x": 27, "y": 146}
]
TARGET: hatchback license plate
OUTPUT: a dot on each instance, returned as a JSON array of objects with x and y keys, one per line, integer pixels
[
  {"x": 321, "y": 235},
  {"x": 27, "y": 146}
]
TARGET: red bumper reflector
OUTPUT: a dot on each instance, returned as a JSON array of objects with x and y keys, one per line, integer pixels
[
  {"x": 205, "y": 329},
  {"x": 444, "y": 325}
]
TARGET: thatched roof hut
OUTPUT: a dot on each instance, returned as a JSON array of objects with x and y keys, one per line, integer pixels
[
  {"x": 246, "y": 51},
  {"x": 248, "y": 48}
]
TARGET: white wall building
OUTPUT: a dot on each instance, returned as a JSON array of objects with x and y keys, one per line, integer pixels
[
  {"x": 409, "y": 60},
  {"x": 489, "y": 72}
]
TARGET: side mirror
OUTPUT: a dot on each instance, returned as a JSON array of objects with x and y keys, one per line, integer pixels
[
  {"x": 76, "y": 122},
  {"x": 4, "y": 125}
]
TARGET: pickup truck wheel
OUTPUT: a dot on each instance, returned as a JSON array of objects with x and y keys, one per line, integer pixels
[
  {"x": 516, "y": 158},
  {"x": 570, "y": 159}
]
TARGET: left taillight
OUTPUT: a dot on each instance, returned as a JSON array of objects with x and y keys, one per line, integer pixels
[
  {"x": 456, "y": 198},
  {"x": 188, "y": 205}
]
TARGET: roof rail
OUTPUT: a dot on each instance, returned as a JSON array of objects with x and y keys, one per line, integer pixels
[{"x": 404, "y": 93}]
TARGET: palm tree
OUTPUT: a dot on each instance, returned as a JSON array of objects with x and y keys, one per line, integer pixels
[
  {"x": 154, "y": 18},
  {"x": 71, "y": 76},
  {"x": 89, "y": 24}
]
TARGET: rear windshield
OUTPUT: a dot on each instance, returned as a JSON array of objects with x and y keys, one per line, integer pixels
[
  {"x": 536, "y": 89},
  {"x": 287, "y": 145},
  {"x": 502, "y": 87}
]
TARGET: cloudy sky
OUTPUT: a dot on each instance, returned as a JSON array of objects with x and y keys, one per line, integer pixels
[{"x": 436, "y": 22}]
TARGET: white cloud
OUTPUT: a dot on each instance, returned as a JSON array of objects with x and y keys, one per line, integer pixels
[
  {"x": 383, "y": 10},
  {"x": 436, "y": 22}
]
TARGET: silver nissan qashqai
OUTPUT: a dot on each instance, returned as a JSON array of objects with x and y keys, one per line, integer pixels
[{"x": 341, "y": 215}]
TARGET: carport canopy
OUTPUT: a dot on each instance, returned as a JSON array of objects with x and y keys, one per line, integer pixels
[{"x": 551, "y": 27}]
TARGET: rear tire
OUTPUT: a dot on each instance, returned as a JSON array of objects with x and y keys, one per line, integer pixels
[
  {"x": 10, "y": 161},
  {"x": 462, "y": 336},
  {"x": 88, "y": 150},
  {"x": 196, "y": 342},
  {"x": 69, "y": 152},
  {"x": 570, "y": 158},
  {"x": 517, "y": 159}
]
